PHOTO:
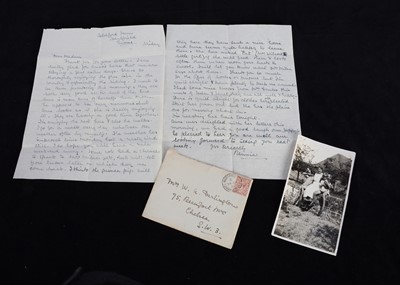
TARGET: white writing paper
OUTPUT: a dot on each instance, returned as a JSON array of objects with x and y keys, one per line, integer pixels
[
  {"x": 199, "y": 199},
  {"x": 231, "y": 96},
  {"x": 97, "y": 110},
  {"x": 96, "y": 107}
]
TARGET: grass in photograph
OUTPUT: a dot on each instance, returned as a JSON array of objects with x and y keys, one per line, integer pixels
[{"x": 307, "y": 228}]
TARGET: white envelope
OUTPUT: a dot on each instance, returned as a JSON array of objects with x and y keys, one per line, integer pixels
[{"x": 198, "y": 199}]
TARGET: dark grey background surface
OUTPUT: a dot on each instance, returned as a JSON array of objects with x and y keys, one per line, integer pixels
[{"x": 347, "y": 67}]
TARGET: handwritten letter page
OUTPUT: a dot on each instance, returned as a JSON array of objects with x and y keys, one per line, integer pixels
[
  {"x": 96, "y": 106},
  {"x": 231, "y": 97},
  {"x": 199, "y": 199}
]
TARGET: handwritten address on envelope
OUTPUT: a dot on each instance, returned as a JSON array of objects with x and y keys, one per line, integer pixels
[{"x": 199, "y": 199}]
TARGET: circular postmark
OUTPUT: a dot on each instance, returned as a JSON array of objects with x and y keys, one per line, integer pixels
[{"x": 228, "y": 182}]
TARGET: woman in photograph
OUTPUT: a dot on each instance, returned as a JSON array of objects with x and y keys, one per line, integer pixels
[{"x": 314, "y": 186}]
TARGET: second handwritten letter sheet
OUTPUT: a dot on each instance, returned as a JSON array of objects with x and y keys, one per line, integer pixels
[{"x": 231, "y": 97}]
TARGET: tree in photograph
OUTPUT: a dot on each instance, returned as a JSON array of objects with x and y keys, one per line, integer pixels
[{"x": 302, "y": 158}]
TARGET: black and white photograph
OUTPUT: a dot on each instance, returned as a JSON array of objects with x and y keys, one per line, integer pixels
[{"x": 314, "y": 200}]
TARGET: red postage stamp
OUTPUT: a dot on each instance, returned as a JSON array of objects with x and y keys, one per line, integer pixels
[{"x": 242, "y": 185}]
